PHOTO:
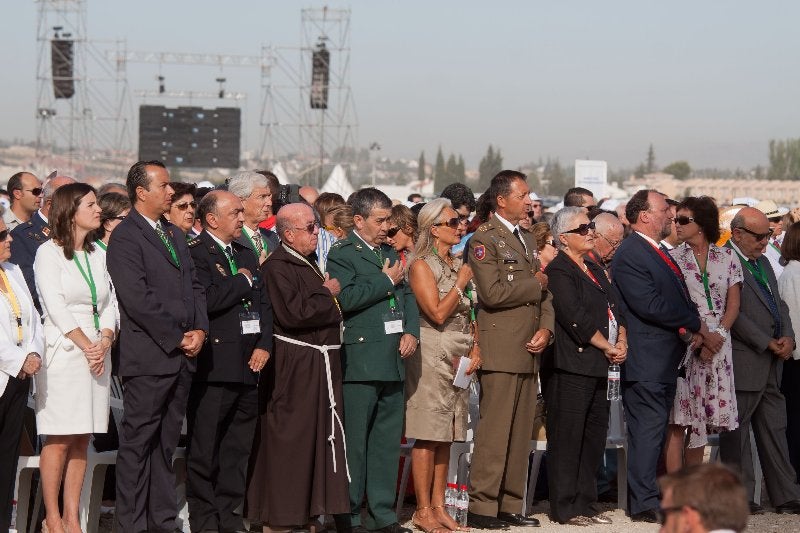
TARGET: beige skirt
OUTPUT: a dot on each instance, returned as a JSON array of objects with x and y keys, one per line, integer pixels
[{"x": 436, "y": 410}]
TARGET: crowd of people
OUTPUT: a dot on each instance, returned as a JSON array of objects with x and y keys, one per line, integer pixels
[{"x": 302, "y": 336}]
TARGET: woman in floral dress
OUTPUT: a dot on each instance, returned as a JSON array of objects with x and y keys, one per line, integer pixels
[{"x": 705, "y": 400}]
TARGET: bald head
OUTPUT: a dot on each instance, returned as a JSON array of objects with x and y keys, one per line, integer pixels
[
  {"x": 220, "y": 213},
  {"x": 49, "y": 188},
  {"x": 292, "y": 223},
  {"x": 750, "y": 232},
  {"x": 309, "y": 194},
  {"x": 609, "y": 231}
]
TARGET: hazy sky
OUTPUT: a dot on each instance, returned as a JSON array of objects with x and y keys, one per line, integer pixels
[{"x": 706, "y": 81}]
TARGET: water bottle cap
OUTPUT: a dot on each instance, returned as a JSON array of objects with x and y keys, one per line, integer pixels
[
  {"x": 453, "y": 485},
  {"x": 463, "y": 487}
]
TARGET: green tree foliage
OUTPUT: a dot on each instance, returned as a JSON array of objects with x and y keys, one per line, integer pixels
[
  {"x": 461, "y": 170},
  {"x": 784, "y": 159},
  {"x": 680, "y": 169},
  {"x": 439, "y": 172},
  {"x": 451, "y": 170},
  {"x": 490, "y": 165},
  {"x": 421, "y": 167}
]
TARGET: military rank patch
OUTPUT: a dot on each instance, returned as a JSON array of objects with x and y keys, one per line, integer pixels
[
  {"x": 221, "y": 270},
  {"x": 479, "y": 252}
]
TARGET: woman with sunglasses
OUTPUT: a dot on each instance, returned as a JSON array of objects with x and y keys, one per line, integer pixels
[
  {"x": 183, "y": 207},
  {"x": 436, "y": 410},
  {"x": 705, "y": 400},
  {"x": 588, "y": 338},
  {"x": 72, "y": 389},
  {"x": 21, "y": 343},
  {"x": 402, "y": 232}
]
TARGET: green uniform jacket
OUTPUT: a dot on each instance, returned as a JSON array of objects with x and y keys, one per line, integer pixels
[{"x": 369, "y": 353}]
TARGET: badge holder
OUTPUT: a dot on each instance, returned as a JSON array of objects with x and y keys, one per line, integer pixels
[
  {"x": 250, "y": 322},
  {"x": 393, "y": 321}
]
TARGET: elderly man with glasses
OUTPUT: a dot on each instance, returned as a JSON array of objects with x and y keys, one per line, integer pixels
[{"x": 609, "y": 232}]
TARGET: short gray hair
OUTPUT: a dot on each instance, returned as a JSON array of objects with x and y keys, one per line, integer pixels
[
  {"x": 563, "y": 222},
  {"x": 243, "y": 183}
]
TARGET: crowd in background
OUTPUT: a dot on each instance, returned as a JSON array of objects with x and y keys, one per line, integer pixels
[{"x": 302, "y": 336}]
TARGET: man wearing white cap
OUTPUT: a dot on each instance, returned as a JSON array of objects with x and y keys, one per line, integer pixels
[
  {"x": 775, "y": 216},
  {"x": 536, "y": 206}
]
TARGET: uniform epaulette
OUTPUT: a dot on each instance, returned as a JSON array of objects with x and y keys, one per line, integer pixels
[
  {"x": 483, "y": 227},
  {"x": 193, "y": 242},
  {"x": 340, "y": 243}
]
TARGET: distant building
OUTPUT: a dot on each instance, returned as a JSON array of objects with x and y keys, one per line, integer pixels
[{"x": 782, "y": 192}]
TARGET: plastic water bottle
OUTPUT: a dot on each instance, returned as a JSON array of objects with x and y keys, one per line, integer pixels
[
  {"x": 462, "y": 506},
  {"x": 613, "y": 382},
  {"x": 450, "y": 497}
]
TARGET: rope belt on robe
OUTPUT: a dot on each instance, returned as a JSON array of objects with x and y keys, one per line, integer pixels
[{"x": 335, "y": 419}]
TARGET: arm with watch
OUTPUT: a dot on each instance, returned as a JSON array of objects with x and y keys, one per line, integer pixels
[{"x": 716, "y": 337}]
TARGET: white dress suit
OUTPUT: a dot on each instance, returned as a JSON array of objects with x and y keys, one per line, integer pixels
[
  {"x": 70, "y": 400},
  {"x": 12, "y": 357}
]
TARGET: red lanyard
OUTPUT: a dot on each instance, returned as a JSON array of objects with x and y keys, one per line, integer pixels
[
  {"x": 668, "y": 261},
  {"x": 591, "y": 276}
]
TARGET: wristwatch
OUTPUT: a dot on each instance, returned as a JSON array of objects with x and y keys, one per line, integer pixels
[{"x": 722, "y": 331}]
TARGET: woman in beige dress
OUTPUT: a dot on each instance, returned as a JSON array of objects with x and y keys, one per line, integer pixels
[{"x": 436, "y": 410}]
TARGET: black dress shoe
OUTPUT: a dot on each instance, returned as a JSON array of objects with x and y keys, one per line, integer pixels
[
  {"x": 790, "y": 507},
  {"x": 518, "y": 519},
  {"x": 645, "y": 516},
  {"x": 479, "y": 521},
  {"x": 755, "y": 508},
  {"x": 394, "y": 528}
]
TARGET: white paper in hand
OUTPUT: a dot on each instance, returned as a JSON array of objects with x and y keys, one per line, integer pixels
[{"x": 462, "y": 380}]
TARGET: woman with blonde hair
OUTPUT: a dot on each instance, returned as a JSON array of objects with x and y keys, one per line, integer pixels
[{"x": 436, "y": 410}]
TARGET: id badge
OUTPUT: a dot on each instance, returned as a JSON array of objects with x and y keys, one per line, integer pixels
[
  {"x": 250, "y": 323},
  {"x": 393, "y": 322}
]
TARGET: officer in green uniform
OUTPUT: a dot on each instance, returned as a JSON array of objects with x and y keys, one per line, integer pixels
[{"x": 381, "y": 328}]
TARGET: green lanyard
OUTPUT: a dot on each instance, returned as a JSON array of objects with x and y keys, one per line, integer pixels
[
  {"x": 379, "y": 253},
  {"x": 87, "y": 275},
  {"x": 231, "y": 260},
  {"x": 101, "y": 244},
  {"x": 756, "y": 271},
  {"x": 468, "y": 292},
  {"x": 774, "y": 246},
  {"x": 704, "y": 277},
  {"x": 171, "y": 249}
]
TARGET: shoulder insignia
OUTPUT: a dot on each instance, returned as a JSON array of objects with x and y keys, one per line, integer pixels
[
  {"x": 222, "y": 270},
  {"x": 479, "y": 252},
  {"x": 193, "y": 242},
  {"x": 483, "y": 227},
  {"x": 46, "y": 231},
  {"x": 339, "y": 243}
]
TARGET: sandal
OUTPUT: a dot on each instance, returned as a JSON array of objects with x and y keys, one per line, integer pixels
[
  {"x": 436, "y": 529},
  {"x": 458, "y": 527}
]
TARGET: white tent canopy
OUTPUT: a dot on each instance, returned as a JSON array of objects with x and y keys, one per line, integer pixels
[{"x": 338, "y": 183}]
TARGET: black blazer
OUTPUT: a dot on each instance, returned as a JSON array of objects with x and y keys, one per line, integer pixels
[
  {"x": 27, "y": 237},
  {"x": 581, "y": 309},
  {"x": 158, "y": 300},
  {"x": 225, "y": 355}
]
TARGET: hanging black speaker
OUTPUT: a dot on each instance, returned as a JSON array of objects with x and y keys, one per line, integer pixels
[
  {"x": 320, "y": 75},
  {"x": 61, "y": 55}
]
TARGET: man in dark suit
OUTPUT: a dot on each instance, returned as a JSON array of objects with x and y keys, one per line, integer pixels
[
  {"x": 28, "y": 236},
  {"x": 253, "y": 190},
  {"x": 163, "y": 326},
  {"x": 655, "y": 305},
  {"x": 763, "y": 339},
  {"x": 223, "y": 402},
  {"x": 381, "y": 328},
  {"x": 515, "y": 321}
]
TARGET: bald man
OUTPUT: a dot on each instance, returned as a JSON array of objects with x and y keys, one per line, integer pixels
[
  {"x": 29, "y": 235},
  {"x": 609, "y": 233},
  {"x": 763, "y": 339}
]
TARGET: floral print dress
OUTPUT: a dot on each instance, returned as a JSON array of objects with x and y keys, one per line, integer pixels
[{"x": 705, "y": 399}]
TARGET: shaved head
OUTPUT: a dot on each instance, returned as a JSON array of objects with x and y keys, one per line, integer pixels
[{"x": 292, "y": 223}]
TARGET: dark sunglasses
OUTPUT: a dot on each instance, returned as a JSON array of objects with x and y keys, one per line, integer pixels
[
  {"x": 36, "y": 191},
  {"x": 309, "y": 228},
  {"x": 583, "y": 230},
  {"x": 183, "y": 205},
  {"x": 392, "y": 232},
  {"x": 451, "y": 223},
  {"x": 758, "y": 236},
  {"x": 3, "y": 235},
  {"x": 682, "y": 220}
]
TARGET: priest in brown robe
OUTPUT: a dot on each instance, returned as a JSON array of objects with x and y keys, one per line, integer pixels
[{"x": 298, "y": 467}]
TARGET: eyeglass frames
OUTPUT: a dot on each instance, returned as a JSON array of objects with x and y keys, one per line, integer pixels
[
  {"x": 309, "y": 228},
  {"x": 682, "y": 220},
  {"x": 185, "y": 205},
  {"x": 758, "y": 236},
  {"x": 583, "y": 230}
]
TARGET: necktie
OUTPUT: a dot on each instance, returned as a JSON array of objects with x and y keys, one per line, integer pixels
[
  {"x": 773, "y": 306},
  {"x": 257, "y": 243},
  {"x": 231, "y": 260},
  {"x": 167, "y": 242},
  {"x": 519, "y": 237}
]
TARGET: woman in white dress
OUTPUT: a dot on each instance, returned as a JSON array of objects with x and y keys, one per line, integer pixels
[
  {"x": 21, "y": 343},
  {"x": 72, "y": 393}
]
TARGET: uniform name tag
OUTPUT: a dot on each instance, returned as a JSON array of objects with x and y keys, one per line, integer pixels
[
  {"x": 250, "y": 323},
  {"x": 393, "y": 322}
]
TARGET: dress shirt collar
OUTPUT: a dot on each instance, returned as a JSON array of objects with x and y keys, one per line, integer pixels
[
  {"x": 218, "y": 240},
  {"x": 149, "y": 221},
  {"x": 373, "y": 248},
  {"x": 648, "y": 239},
  {"x": 511, "y": 227},
  {"x": 43, "y": 217}
]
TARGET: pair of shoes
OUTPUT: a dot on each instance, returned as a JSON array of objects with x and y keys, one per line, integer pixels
[
  {"x": 755, "y": 508},
  {"x": 480, "y": 521},
  {"x": 46, "y": 529},
  {"x": 649, "y": 515},
  {"x": 394, "y": 528},
  {"x": 790, "y": 507},
  {"x": 518, "y": 519},
  {"x": 437, "y": 528},
  {"x": 599, "y": 519}
]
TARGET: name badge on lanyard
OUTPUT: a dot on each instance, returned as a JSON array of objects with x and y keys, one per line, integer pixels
[
  {"x": 393, "y": 321},
  {"x": 613, "y": 328},
  {"x": 250, "y": 323}
]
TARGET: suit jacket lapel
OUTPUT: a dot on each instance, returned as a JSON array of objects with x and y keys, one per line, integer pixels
[
  {"x": 150, "y": 234},
  {"x": 366, "y": 252},
  {"x": 663, "y": 264},
  {"x": 749, "y": 279}
]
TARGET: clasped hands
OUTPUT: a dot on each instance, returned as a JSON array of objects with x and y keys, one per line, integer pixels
[
  {"x": 32, "y": 364},
  {"x": 539, "y": 341},
  {"x": 192, "y": 342},
  {"x": 709, "y": 342}
]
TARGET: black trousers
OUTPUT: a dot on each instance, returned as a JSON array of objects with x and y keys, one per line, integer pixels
[
  {"x": 222, "y": 421},
  {"x": 12, "y": 412},
  {"x": 577, "y": 425},
  {"x": 790, "y": 387},
  {"x": 149, "y": 432}
]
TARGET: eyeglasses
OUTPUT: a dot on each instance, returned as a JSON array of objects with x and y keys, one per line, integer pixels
[
  {"x": 451, "y": 223},
  {"x": 36, "y": 191},
  {"x": 583, "y": 230},
  {"x": 613, "y": 244},
  {"x": 3, "y": 235},
  {"x": 184, "y": 205},
  {"x": 758, "y": 236},
  {"x": 550, "y": 242},
  {"x": 661, "y": 514},
  {"x": 682, "y": 220},
  {"x": 392, "y": 232},
  {"x": 309, "y": 228}
]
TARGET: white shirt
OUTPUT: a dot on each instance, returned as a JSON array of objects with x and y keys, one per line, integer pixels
[
  {"x": 789, "y": 289},
  {"x": 11, "y": 220},
  {"x": 774, "y": 255}
]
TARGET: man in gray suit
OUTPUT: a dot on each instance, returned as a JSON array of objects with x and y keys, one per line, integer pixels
[{"x": 762, "y": 339}]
